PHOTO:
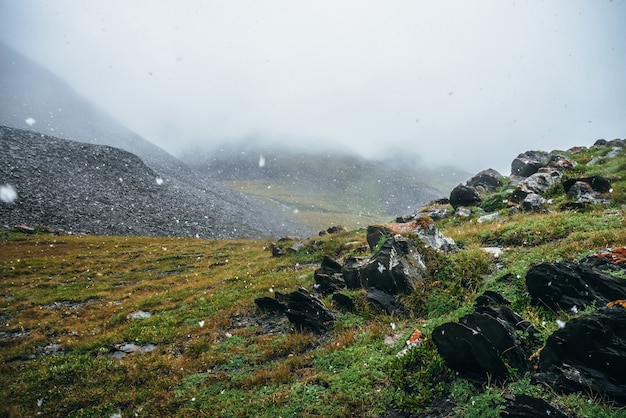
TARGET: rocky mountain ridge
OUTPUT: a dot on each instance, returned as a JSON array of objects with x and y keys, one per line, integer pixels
[{"x": 97, "y": 189}]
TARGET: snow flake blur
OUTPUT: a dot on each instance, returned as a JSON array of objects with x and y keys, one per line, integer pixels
[{"x": 8, "y": 194}]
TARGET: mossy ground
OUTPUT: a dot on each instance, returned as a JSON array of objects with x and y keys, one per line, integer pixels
[{"x": 66, "y": 302}]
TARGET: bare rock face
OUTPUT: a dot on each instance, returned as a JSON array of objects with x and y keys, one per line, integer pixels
[
  {"x": 464, "y": 196},
  {"x": 588, "y": 354},
  {"x": 486, "y": 181},
  {"x": 529, "y": 163},
  {"x": 568, "y": 286},
  {"x": 396, "y": 268}
]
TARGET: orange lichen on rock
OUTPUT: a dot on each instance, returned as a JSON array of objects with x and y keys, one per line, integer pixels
[
  {"x": 620, "y": 302},
  {"x": 423, "y": 222},
  {"x": 614, "y": 255},
  {"x": 415, "y": 339}
]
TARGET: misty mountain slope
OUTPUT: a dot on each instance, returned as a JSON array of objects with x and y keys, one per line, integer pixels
[
  {"x": 340, "y": 181},
  {"x": 32, "y": 93},
  {"x": 99, "y": 189}
]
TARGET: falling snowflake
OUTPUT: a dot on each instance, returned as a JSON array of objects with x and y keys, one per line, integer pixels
[
  {"x": 159, "y": 181},
  {"x": 8, "y": 194},
  {"x": 261, "y": 161},
  {"x": 30, "y": 121},
  {"x": 201, "y": 323}
]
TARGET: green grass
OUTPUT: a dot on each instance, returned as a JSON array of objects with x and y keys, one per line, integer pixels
[{"x": 76, "y": 293}]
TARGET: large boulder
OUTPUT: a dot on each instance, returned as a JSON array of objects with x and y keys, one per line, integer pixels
[
  {"x": 491, "y": 343},
  {"x": 469, "y": 352},
  {"x": 588, "y": 190},
  {"x": 529, "y": 163},
  {"x": 421, "y": 226},
  {"x": 464, "y": 196},
  {"x": 588, "y": 354},
  {"x": 396, "y": 268},
  {"x": 566, "y": 285},
  {"x": 537, "y": 183},
  {"x": 486, "y": 181}
]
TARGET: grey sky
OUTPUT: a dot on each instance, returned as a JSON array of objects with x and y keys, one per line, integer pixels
[{"x": 471, "y": 83}]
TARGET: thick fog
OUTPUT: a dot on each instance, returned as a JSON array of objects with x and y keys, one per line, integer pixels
[{"x": 469, "y": 83}]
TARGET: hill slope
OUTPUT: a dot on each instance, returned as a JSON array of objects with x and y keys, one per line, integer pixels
[
  {"x": 135, "y": 326},
  {"x": 98, "y": 189},
  {"x": 324, "y": 188}
]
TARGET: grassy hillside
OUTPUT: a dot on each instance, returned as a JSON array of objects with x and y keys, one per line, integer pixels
[
  {"x": 68, "y": 306},
  {"x": 323, "y": 188}
]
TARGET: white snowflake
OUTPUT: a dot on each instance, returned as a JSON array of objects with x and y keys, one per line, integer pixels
[
  {"x": 8, "y": 194},
  {"x": 30, "y": 121}
]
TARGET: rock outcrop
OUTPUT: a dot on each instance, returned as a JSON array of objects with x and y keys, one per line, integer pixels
[
  {"x": 487, "y": 344},
  {"x": 588, "y": 354},
  {"x": 303, "y": 309},
  {"x": 569, "y": 286}
]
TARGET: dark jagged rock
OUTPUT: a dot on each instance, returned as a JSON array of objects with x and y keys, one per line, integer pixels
[
  {"x": 306, "y": 311},
  {"x": 529, "y": 163},
  {"x": 269, "y": 304},
  {"x": 328, "y": 277},
  {"x": 469, "y": 352},
  {"x": 464, "y": 196},
  {"x": 329, "y": 283},
  {"x": 491, "y": 298},
  {"x": 588, "y": 354},
  {"x": 385, "y": 301},
  {"x": 375, "y": 233},
  {"x": 343, "y": 302},
  {"x": 608, "y": 259},
  {"x": 485, "y": 342},
  {"x": 518, "y": 327},
  {"x": 351, "y": 272},
  {"x": 524, "y": 406},
  {"x": 277, "y": 250},
  {"x": 486, "y": 181},
  {"x": 566, "y": 285},
  {"x": 588, "y": 190},
  {"x": 396, "y": 268},
  {"x": 597, "y": 183},
  {"x": 500, "y": 334}
]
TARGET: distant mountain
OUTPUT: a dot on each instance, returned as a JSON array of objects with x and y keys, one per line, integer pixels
[
  {"x": 386, "y": 188},
  {"x": 35, "y": 99}
]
